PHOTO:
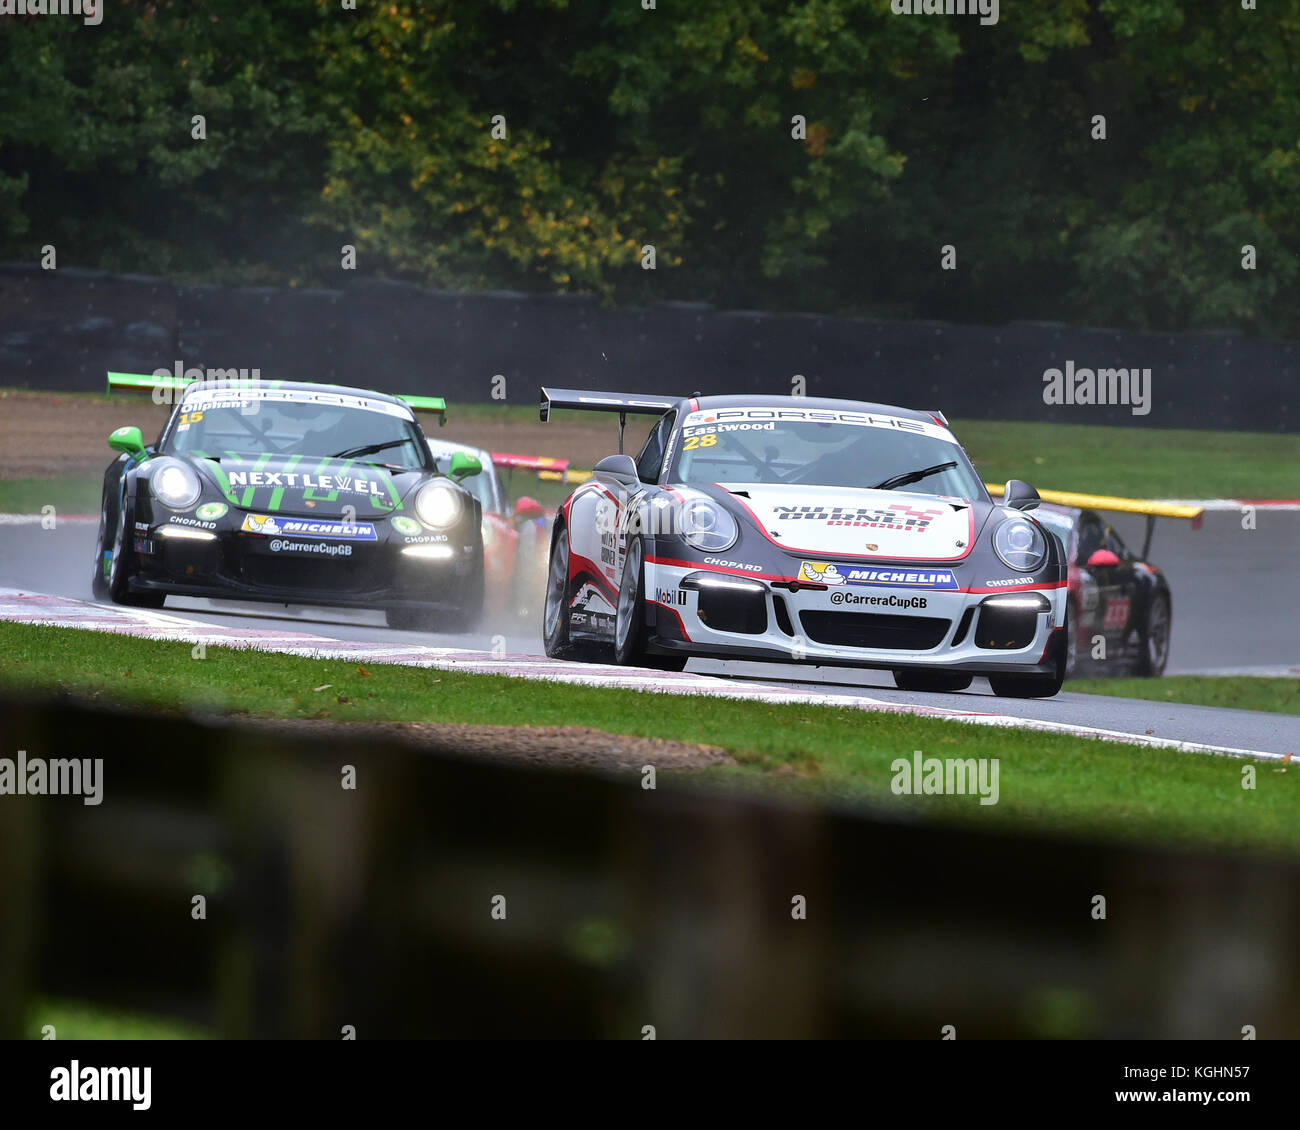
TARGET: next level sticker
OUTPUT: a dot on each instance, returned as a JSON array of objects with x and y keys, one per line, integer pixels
[
  {"x": 306, "y": 527},
  {"x": 824, "y": 573}
]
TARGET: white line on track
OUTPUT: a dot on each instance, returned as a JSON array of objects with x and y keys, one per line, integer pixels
[
  {"x": 37, "y": 519},
  {"x": 26, "y": 607}
]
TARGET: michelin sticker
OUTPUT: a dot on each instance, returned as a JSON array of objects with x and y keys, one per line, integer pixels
[
  {"x": 824, "y": 573},
  {"x": 307, "y": 528}
]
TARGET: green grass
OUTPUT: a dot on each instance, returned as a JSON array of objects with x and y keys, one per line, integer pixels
[
  {"x": 1132, "y": 462},
  {"x": 1048, "y": 782},
  {"x": 1246, "y": 692},
  {"x": 74, "y": 1020},
  {"x": 1136, "y": 462},
  {"x": 68, "y": 495}
]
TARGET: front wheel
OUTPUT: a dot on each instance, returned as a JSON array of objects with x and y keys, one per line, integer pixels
[
  {"x": 408, "y": 619},
  {"x": 555, "y": 611},
  {"x": 113, "y": 560},
  {"x": 630, "y": 633},
  {"x": 1037, "y": 686}
]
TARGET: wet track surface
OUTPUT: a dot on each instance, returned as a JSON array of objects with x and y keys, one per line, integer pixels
[{"x": 1233, "y": 594}]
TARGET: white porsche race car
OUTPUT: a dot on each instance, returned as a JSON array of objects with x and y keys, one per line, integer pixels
[{"x": 809, "y": 531}]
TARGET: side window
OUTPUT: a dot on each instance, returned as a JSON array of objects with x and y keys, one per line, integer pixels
[
  {"x": 1115, "y": 544},
  {"x": 651, "y": 458},
  {"x": 1090, "y": 535}
]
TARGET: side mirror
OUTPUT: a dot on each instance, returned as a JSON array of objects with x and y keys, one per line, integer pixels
[
  {"x": 526, "y": 509},
  {"x": 618, "y": 469},
  {"x": 1102, "y": 559},
  {"x": 1019, "y": 495},
  {"x": 128, "y": 440},
  {"x": 462, "y": 466}
]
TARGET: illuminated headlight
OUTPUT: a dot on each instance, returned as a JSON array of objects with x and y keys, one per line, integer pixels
[
  {"x": 175, "y": 484},
  {"x": 1035, "y": 601},
  {"x": 1020, "y": 544},
  {"x": 186, "y": 533},
  {"x": 429, "y": 552},
  {"x": 707, "y": 526},
  {"x": 438, "y": 506},
  {"x": 698, "y": 582}
]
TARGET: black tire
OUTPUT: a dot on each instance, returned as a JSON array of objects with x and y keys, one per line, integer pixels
[
  {"x": 111, "y": 579},
  {"x": 630, "y": 634},
  {"x": 1071, "y": 647},
  {"x": 910, "y": 680},
  {"x": 424, "y": 618},
  {"x": 99, "y": 578},
  {"x": 410, "y": 619},
  {"x": 1153, "y": 654},
  {"x": 1036, "y": 686},
  {"x": 555, "y": 608},
  {"x": 467, "y": 617}
]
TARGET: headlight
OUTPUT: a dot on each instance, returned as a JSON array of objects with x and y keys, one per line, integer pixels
[
  {"x": 438, "y": 505},
  {"x": 175, "y": 484},
  {"x": 707, "y": 526},
  {"x": 1020, "y": 544}
]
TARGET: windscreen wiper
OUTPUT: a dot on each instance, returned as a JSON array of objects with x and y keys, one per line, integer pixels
[
  {"x": 914, "y": 476},
  {"x": 366, "y": 449}
]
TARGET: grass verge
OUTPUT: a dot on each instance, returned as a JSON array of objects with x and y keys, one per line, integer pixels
[
  {"x": 1047, "y": 782},
  {"x": 74, "y": 1020},
  {"x": 1246, "y": 692},
  {"x": 1136, "y": 462},
  {"x": 67, "y": 494}
]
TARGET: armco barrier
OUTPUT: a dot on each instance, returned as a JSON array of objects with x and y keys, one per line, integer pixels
[
  {"x": 623, "y": 907},
  {"x": 61, "y": 330}
]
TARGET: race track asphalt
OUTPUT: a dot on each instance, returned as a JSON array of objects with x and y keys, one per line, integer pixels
[{"x": 1233, "y": 594}]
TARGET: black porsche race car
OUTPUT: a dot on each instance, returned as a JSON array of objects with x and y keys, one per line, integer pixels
[
  {"x": 294, "y": 494},
  {"x": 804, "y": 530}
]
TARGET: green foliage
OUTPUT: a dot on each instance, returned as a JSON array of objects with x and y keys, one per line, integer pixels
[{"x": 673, "y": 127}]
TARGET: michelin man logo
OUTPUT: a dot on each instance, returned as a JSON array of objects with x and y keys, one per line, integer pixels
[
  {"x": 261, "y": 524},
  {"x": 820, "y": 572}
]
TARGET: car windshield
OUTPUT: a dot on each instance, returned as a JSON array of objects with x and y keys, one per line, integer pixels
[
  {"x": 251, "y": 422},
  {"x": 845, "y": 449}
]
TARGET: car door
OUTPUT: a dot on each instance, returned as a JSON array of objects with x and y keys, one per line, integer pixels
[
  {"x": 1122, "y": 597},
  {"x": 1089, "y": 534},
  {"x": 1107, "y": 607}
]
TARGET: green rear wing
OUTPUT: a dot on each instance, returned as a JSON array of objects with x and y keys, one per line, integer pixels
[
  {"x": 427, "y": 404},
  {"x": 139, "y": 382}
]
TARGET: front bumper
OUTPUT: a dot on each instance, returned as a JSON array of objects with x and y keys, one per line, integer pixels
[
  {"x": 709, "y": 613},
  {"x": 226, "y": 563}
]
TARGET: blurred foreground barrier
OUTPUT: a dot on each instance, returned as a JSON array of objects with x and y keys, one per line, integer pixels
[{"x": 447, "y": 896}]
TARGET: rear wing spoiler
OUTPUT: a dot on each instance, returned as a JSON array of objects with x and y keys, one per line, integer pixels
[
  {"x": 546, "y": 466},
  {"x": 426, "y": 404},
  {"x": 1152, "y": 509},
  {"x": 624, "y": 403},
  {"x": 140, "y": 382}
]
